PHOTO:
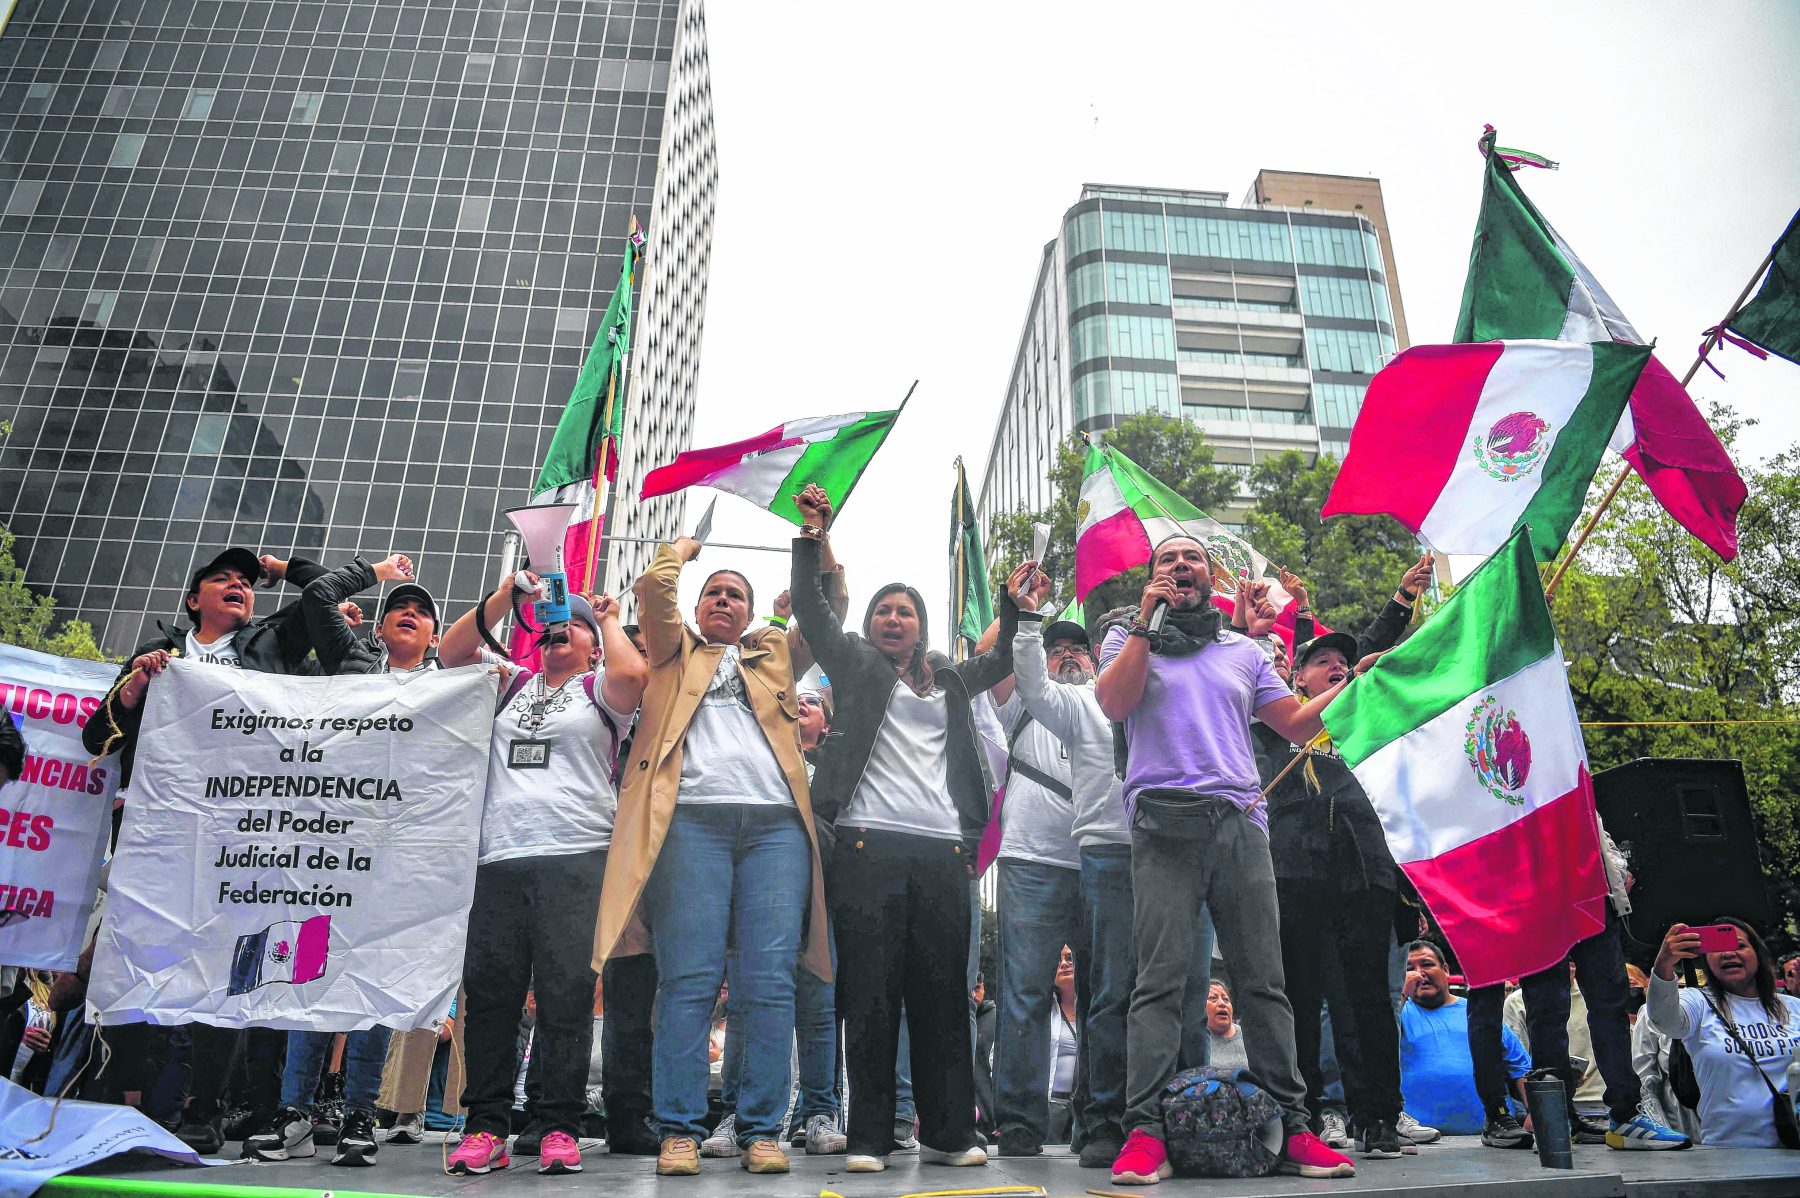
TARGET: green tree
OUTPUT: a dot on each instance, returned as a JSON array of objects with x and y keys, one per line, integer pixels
[
  {"x": 26, "y": 618},
  {"x": 1174, "y": 451}
]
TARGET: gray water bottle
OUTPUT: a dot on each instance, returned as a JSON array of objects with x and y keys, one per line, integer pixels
[{"x": 1548, "y": 1102}]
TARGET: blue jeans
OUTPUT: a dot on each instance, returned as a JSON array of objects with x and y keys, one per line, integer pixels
[
  {"x": 904, "y": 1106},
  {"x": 1107, "y": 975},
  {"x": 1040, "y": 911},
  {"x": 815, "y": 1042},
  {"x": 364, "y": 1054},
  {"x": 730, "y": 877}
]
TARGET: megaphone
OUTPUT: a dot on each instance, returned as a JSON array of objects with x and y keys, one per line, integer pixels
[{"x": 542, "y": 527}]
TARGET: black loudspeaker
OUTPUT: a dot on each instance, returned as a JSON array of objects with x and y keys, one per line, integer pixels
[{"x": 1685, "y": 826}]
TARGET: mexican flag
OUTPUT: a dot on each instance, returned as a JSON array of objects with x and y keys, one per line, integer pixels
[
  {"x": 971, "y": 600},
  {"x": 585, "y": 446},
  {"x": 1525, "y": 281},
  {"x": 770, "y": 469},
  {"x": 1467, "y": 742},
  {"x": 1465, "y": 444}
]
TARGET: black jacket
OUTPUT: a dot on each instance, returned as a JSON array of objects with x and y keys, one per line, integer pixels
[
  {"x": 862, "y": 679},
  {"x": 340, "y": 650},
  {"x": 1331, "y": 835},
  {"x": 276, "y": 644}
]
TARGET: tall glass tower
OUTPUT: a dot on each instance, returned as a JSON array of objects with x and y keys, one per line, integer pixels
[
  {"x": 1261, "y": 323},
  {"x": 317, "y": 276}
]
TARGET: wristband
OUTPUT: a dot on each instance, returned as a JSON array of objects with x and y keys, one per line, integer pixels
[
  {"x": 1138, "y": 628},
  {"x": 778, "y": 621},
  {"x": 1404, "y": 597},
  {"x": 1303, "y": 610}
]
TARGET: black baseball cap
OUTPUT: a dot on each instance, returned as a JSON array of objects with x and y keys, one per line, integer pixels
[
  {"x": 411, "y": 590},
  {"x": 235, "y": 558},
  {"x": 1065, "y": 630},
  {"x": 1343, "y": 642}
]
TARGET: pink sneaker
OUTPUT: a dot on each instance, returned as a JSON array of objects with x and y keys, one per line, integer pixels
[
  {"x": 560, "y": 1154},
  {"x": 1307, "y": 1156},
  {"x": 1142, "y": 1162},
  {"x": 481, "y": 1152}
]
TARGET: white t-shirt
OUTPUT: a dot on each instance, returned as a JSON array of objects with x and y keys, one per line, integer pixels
[
  {"x": 1063, "y": 1050},
  {"x": 1735, "y": 1107},
  {"x": 222, "y": 652},
  {"x": 906, "y": 787},
  {"x": 725, "y": 758},
  {"x": 1036, "y": 824},
  {"x": 566, "y": 805}
]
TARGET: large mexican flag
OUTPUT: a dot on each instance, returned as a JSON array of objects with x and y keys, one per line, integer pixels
[
  {"x": 770, "y": 469},
  {"x": 1467, "y": 742}
]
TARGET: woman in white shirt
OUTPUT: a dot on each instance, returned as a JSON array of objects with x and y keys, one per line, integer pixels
[{"x": 1740, "y": 1029}]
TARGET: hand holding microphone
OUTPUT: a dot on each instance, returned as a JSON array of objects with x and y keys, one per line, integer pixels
[{"x": 1159, "y": 595}]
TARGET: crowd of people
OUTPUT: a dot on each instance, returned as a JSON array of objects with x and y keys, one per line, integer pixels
[{"x": 718, "y": 913}]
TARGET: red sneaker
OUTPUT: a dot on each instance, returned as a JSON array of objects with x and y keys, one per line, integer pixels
[
  {"x": 1142, "y": 1162},
  {"x": 560, "y": 1154},
  {"x": 1307, "y": 1156},
  {"x": 481, "y": 1152}
]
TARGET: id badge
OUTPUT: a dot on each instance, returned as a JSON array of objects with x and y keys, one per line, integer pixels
[{"x": 528, "y": 755}]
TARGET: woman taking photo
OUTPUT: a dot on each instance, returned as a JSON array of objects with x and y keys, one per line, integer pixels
[
  {"x": 1740, "y": 1029},
  {"x": 905, "y": 789}
]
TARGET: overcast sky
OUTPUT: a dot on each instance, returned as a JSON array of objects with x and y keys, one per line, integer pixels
[{"x": 888, "y": 182}]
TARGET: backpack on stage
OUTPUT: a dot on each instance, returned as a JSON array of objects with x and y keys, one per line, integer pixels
[{"x": 1221, "y": 1123}]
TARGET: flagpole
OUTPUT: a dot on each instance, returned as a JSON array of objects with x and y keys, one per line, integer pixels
[
  {"x": 959, "y": 588},
  {"x": 1713, "y": 336},
  {"x": 600, "y": 525}
]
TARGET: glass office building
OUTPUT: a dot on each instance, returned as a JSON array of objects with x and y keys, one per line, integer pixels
[
  {"x": 1261, "y": 323},
  {"x": 317, "y": 276}
]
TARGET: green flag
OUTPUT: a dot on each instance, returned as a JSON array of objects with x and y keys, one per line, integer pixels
[
  {"x": 586, "y": 425},
  {"x": 1772, "y": 319},
  {"x": 972, "y": 603}
]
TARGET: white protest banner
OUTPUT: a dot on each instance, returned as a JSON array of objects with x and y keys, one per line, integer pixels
[
  {"x": 297, "y": 852},
  {"x": 55, "y": 819},
  {"x": 80, "y": 1134}
]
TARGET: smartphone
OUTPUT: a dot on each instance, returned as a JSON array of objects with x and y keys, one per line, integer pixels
[{"x": 1717, "y": 938}]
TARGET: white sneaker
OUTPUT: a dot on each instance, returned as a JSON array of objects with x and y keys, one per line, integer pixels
[
  {"x": 857, "y": 1163},
  {"x": 822, "y": 1139},
  {"x": 408, "y": 1129},
  {"x": 1335, "y": 1135},
  {"x": 1411, "y": 1129},
  {"x": 936, "y": 1156},
  {"x": 723, "y": 1141},
  {"x": 905, "y": 1134}
]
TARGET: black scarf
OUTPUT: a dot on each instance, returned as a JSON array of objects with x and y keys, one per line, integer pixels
[{"x": 1186, "y": 631}]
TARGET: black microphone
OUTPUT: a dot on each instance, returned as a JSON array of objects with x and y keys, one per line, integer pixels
[{"x": 1157, "y": 614}]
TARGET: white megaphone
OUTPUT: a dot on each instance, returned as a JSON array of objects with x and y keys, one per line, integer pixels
[{"x": 542, "y": 527}]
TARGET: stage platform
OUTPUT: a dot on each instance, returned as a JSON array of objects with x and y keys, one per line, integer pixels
[{"x": 1455, "y": 1167}]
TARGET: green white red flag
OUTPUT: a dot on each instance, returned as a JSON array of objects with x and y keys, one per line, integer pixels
[
  {"x": 1525, "y": 281},
  {"x": 771, "y": 468},
  {"x": 1466, "y": 740},
  {"x": 1466, "y": 444}
]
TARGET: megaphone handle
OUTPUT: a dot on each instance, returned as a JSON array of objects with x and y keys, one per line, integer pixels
[{"x": 522, "y": 582}]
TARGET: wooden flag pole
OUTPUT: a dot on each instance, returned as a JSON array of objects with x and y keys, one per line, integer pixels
[{"x": 1713, "y": 336}]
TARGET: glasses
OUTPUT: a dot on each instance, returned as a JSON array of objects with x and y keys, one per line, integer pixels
[{"x": 811, "y": 700}]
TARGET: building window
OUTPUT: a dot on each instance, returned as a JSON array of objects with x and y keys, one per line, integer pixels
[
  {"x": 478, "y": 68},
  {"x": 23, "y": 199},
  {"x": 1087, "y": 340},
  {"x": 473, "y": 216},
  {"x": 572, "y": 320},
  {"x": 110, "y": 57},
  {"x": 346, "y": 156},
  {"x": 126, "y": 150},
  {"x": 146, "y": 252},
  {"x": 306, "y": 108},
  {"x": 1322, "y": 296},
  {"x": 117, "y": 102},
  {"x": 409, "y": 380},
  {"x": 1137, "y": 232},
  {"x": 1355, "y": 351},
  {"x": 1223, "y": 237},
  {"x": 1337, "y": 403},
  {"x": 1082, "y": 234},
  {"x": 99, "y": 305},
  {"x": 1137, "y": 283},
  {"x": 1320, "y": 245},
  {"x": 1142, "y": 337},
  {"x": 199, "y": 104},
  {"x": 61, "y": 250},
  {"x": 209, "y": 434},
  {"x": 37, "y": 97}
]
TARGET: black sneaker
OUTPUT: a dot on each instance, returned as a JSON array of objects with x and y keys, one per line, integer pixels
[
  {"x": 1503, "y": 1131},
  {"x": 529, "y": 1142},
  {"x": 1378, "y": 1140},
  {"x": 632, "y": 1135},
  {"x": 204, "y": 1136},
  {"x": 287, "y": 1135},
  {"x": 1100, "y": 1152},
  {"x": 1019, "y": 1141},
  {"x": 356, "y": 1142},
  {"x": 1590, "y": 1130}
]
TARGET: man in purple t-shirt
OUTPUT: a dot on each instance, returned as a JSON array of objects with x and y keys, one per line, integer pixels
[{"x": 1199, "y": 836}]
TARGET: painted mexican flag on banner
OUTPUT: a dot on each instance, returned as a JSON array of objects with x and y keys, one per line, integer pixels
[
  {"x": 585, "y": 446},
  {"x": 1525, "y": 281},
  {"x": 1463, "y": 444},
  {"x": 768, "y": 470},
  {"x": 1467, "y": 742}
]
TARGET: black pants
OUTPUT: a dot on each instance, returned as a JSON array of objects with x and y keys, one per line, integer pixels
[
  {"x": 1600, "y": 972},
  {"x": 629, "y": 984},
  {"x": 531, "y": 927},
  {"x": 210, "y": 1058},
  {"x": 900, "y": 912},
  {"x": 1332, "y": 938}
]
